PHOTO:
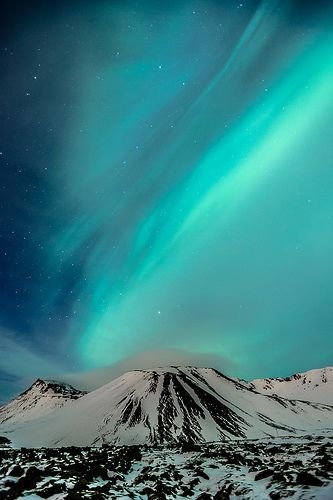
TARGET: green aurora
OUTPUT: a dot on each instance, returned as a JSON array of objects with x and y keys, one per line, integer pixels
[{"x": 192, "y": 185}]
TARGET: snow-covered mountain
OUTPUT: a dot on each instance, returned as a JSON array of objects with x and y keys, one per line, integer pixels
[
  {"x": 314, "y": 385},
  {"x": 169, "y": 405},
  {"x": 42, "y": 398}
]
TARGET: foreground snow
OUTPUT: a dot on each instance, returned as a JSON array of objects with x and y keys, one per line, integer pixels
[{"x": 269, "y": 469}]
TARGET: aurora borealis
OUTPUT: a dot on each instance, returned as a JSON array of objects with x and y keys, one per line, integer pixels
[{"x": 166, "y": 186}]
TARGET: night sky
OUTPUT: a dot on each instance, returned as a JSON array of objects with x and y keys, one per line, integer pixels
[{"x": 166, "y": 179}]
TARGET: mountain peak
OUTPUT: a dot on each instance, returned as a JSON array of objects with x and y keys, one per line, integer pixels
[
  {"x": 41, "y": 398},
  {"x": 55, "y": 386},
  {"x": 171, "y": 369}
]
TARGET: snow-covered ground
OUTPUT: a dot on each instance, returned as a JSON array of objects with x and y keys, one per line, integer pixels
[
  {"x": 210, "y": 437},
  {"x": 248, "y": 469}
]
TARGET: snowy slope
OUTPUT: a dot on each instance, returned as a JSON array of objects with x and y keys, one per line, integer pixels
[
  {"x": 313, "y": 385},
  {"x": 169, "y": 405},
  {"x": 42, "y": 398}
]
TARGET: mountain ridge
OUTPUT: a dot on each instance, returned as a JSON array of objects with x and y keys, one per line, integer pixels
[
  {"x": 170, "y": 405},
  {"x": 312, "y": 385},
  {"x": 41, "y": 398}
]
